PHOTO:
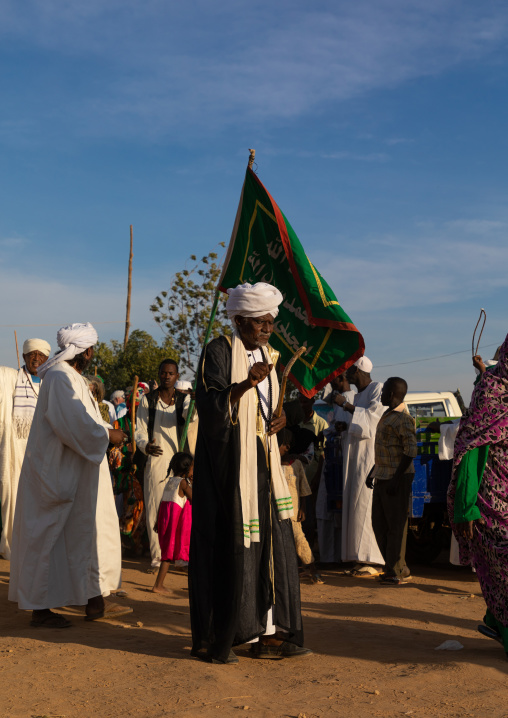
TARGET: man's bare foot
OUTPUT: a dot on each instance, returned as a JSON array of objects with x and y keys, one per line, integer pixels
[{"x": 164, "y": 591}]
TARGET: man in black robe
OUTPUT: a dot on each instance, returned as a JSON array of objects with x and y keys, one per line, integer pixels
[{"x": 243, "y": 580}]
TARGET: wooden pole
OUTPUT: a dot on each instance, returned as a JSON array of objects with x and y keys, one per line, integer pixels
[
  {"x": 129, "y": 290},
  {"x": 133, "y": 415},
  {"x": 17, "y": 350},
  {"x": 192, "y": 404},
  {"x": 183, "y": 437}
]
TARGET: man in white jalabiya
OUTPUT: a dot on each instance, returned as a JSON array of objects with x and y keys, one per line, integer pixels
[
  {"x": 66, "y": 539},
  {"x": 329, "y": 521},
  {"x": 19, "y": 391},
  {"x": 160, "y": 420},
  {"x": 358, "y": 540}
]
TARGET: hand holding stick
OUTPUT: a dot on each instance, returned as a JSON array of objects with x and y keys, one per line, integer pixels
[
  {"x": 484, "y": 314},
  {"x": 289, "y": 366}
]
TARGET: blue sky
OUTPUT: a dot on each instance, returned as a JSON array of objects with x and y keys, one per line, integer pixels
[{"x": 380, "y": 130}]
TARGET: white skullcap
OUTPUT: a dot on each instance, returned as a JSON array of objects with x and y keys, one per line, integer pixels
[
  {"x": 253, "y": 300},
  {"x": 36, "y": 345},
  {"x": 72, "y": 340},
  {"x": 183, "y": 385},
  {"x": 364, "y": 364},
  {"x": 117, "y": 394}
]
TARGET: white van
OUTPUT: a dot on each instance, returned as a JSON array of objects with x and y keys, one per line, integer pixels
[{"x": 435, "y": 404}]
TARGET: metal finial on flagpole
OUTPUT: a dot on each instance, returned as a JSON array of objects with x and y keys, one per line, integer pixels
[{"x": 252, "y": 155}]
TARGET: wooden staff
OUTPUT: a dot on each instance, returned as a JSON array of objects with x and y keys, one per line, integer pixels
[
  {"x": 484, "y": 314},
  {"x": 17, "y": 350},
  {"x": 133, "y": 415},
  {"x": 296, "y": 355},
  {"x": 129, "y": 290}
]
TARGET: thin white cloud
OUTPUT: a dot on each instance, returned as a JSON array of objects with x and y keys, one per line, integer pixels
[
  {"x": 33, "y": 299},
  {"x": 357, "y": 157},
  {"x": 414, "y": 272},
  {"x": 476, "y": 226},
  {"x": 398, "y": 141},
  {"x": 13, "y": 242},
  {"x": 165, "y": 66}
]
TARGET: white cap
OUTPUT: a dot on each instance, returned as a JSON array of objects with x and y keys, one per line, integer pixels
[
  {"x": 36, "y": 345},
  {"x": 364, "y": 364}
]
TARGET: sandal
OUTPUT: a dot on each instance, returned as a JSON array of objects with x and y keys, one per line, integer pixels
[
  {"x": 316, "y": 578},
  {"x": 203, "y": 655},
  {"x": 366, "y": 572},
  {"x": 111, "y": 610},
  {"x": 276, "y": 653},
  {"x": 490, "y": 633},
  {"x": 392, "y": 581},
  {"x": 51, "y": 620}
]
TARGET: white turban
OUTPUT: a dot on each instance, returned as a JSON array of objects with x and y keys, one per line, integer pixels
[
  {"x": 364, "y": 364},
  {"x": 183, "y": 385},
  {"x": 72, "y": 340},
  {"x": 118, "y": 394},
  {"x": 36, "y": 345},
  {"x": 253, "y": 300}
]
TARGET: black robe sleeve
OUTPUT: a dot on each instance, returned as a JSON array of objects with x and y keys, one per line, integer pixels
[{"x": 213, "y": 390}]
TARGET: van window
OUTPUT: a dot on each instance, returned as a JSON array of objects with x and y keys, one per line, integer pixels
[{"x": 431, "y": 408}]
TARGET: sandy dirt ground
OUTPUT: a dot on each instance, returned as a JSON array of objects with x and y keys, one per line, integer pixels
[{"x": 374, "y": 655}]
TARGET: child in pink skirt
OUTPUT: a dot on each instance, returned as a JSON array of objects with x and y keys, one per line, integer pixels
[{"x": 175, "y": 516}]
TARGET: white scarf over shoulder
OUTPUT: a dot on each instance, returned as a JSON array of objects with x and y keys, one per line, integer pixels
[{"x": 247, "y": 418}]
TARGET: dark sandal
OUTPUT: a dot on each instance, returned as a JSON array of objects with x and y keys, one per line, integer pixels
[
  {"x": 276, "y": 653},
  {"x": 51, "y": 620},
  {"x": 490, "y": 633},
  {"x": 203, "y": 655},
  {"x": 111, "y": 610}
]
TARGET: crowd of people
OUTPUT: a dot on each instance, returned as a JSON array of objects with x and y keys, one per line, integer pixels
[{"x": 249, "y": 501}]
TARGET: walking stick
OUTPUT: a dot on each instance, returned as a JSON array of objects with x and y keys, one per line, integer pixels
[
  {"x": 300, "y": 352},
  {"x": 484, "y": 314},
  {"x": 17, "y": 350}
]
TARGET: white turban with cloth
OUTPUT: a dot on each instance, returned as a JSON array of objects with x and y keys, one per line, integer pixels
[
  {"x": 72, "y": 340},
  {"x": 253, "y": 300},
  {"x": 37, "y": 345},
  {"x": 364, "y": 364}
]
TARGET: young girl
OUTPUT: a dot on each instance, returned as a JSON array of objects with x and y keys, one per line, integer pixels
[{"x": 175, "y": 516}]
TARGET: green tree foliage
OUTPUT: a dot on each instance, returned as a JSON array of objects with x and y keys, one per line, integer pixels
[
  {"x": 141, "y": 357},
  {"x": 184, "y": 310}
]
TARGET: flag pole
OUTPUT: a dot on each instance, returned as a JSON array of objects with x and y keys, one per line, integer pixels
[
  {"x": 192, "y": 404},
  {"x": 129, "y": 290},
  {"x": 17, "y": 350},
  {"x": 183, "y": 437}
]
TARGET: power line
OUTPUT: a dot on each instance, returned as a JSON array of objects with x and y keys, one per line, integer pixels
[
  {"x": 439, "y": 356},
  {"x": 15, "y": 326}
]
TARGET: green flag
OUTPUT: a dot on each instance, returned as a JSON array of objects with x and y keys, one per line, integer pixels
[{"x": 265, "y": 248}]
